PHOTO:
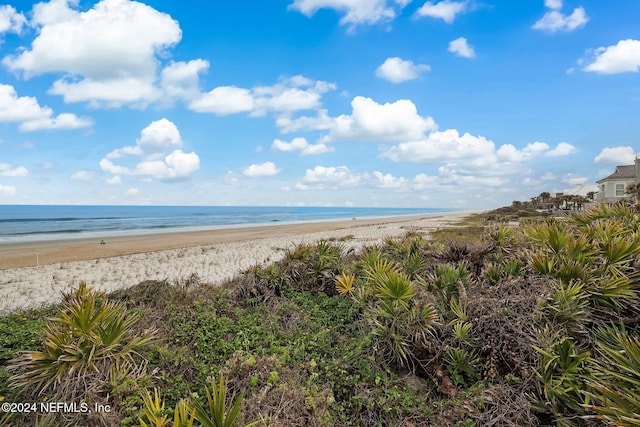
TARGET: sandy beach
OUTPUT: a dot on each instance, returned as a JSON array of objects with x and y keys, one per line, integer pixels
[{"x": 33, "y": 274}]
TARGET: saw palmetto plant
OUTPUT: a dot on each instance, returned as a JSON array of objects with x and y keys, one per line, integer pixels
[{"x": 88, "y": 337}]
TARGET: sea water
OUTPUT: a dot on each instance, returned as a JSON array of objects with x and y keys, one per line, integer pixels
[{"x": 28, "y": 223}]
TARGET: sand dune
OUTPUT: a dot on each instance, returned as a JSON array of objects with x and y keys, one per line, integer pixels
[{"x": 215, "y": 256}]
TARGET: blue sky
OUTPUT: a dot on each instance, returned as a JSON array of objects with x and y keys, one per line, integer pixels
[{"x": 445, "y": 104}]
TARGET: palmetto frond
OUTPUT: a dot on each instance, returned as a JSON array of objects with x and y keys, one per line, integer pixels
[
  {"x": 344, "y": 284},
  {"x": 220, "y": 411},
  {"x": 615, "y": 382},
  {"x": 88, "y": 336}
]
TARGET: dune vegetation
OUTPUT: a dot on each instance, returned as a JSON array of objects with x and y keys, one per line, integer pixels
[{"x": 531, "y": 322}]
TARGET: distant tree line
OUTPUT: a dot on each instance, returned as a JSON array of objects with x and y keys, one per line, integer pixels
[{"x": 547, "y": 201}]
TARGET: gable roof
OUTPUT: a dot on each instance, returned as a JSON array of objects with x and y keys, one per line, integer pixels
[{"x": 624, "y": 172}]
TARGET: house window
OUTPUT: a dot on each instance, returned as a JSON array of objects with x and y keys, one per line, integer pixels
[{"x": 620, "y": 190}]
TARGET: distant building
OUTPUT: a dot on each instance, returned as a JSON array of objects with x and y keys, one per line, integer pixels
[{"x": 613, "y": 187}]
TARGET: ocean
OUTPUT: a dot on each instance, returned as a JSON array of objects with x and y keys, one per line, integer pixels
[{"x": 31, "y": 223}]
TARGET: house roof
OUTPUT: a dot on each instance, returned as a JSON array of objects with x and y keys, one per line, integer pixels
[{"x": 624, "y": 172}]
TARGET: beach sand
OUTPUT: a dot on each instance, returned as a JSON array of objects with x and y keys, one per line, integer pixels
[{"x": 34, "y": 274}]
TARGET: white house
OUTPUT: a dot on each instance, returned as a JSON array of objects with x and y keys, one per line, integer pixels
[{"x": 612, "y": 188}]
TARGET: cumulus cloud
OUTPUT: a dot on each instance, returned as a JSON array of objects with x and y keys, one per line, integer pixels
[
  {"x": 31, "y": 116},
  {"x": 82, "y": 175},
  {"x": 614, "y": 156},
  {"x": 181, "y": 80},
  {"x": 462, "y": 48},
  {"x": 322, "y": 121},
  {"x": 446, "y": 10},
  {"x": 397, "y": 70},
  {"x": 7, "y": 190},
  {"x": 574, "y": 180},
  {"x": 474, "y": 151},
  {"x": 323, "y": 178},
  {"x": 159, "y": 152},
  {"x": 441, "y": 147},
  {"x": 370, "y": 121},
  {"x": 261, "y": 170},
  {"x": 109, "y": 54},
  {"x": 290, "y": 94},
  {"x": 287, "y": 96},
  {"x": 423, "y": 181},
  {"x": 224, "y": 100},
  {"x": 561, "y": 150},
  {"x": 11, "y": 20},
  {"x": 300, "y": 144},
  {"x": 553, "y": 4},
  {"x": 356, "y": 12},
  {"x": 7, "y": 169},
  {"x": 623, "y": 57},
  {"x": 554, "y": 20},
  {"x": 465, "y": 158},
  {"x": 337, "y": 177},
  {"x": 389, "y": 181},
  {"x": 114, "y": 180}
]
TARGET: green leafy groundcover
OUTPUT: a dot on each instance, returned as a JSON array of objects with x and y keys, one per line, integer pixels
[{"x": 528, "y": 325}]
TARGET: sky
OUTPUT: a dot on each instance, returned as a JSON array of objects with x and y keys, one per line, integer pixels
[{"x": 467, "y": 104}]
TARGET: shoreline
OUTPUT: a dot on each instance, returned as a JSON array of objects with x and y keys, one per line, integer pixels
[
  {"x": 47, "y": 252},
  {"x": 214, "y": 256}
]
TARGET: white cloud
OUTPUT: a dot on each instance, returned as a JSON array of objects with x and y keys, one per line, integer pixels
[
  {"x": 31, "y": 116},
  {"x": 114, "y": 180},
  {"x": 161, "y": 157},
  {"x": 11, "y": 20},
  {"x": 553, "y": 4},
  {"x": 446, "y": 10},
  {"x": 289, "y": 95},
  {"x": 554, "y": 20},
  {"x": 181, "y": 80},
  {"x": 472, "y": 152},
  {"x": 224, "y": 100},
  {"x": 313, "y": 149},
  {"x": 423, "y": 181},
  {"x": 389, "y": 122},
  {"x": 82, "y": 175},
  {"x": 109, "y": 53},
  {"x": 301, "y": 144},
  {"x": 132, "y": 192},
  {"x": 398, "y": 70},
  {"x": 261, "y": 170},
  {"x": 509, "y": 153},
  {"x": 356, "y": 12},
  {"x": 624, "y": 57},
  {"x": 8, "y": 170},
  {"x": 322, "y": 122},
  {"x": 231, "y": 179},
  {"x": 295, "y": 144},
  {"x": 369, "y": 121},
  {"x": 323, "y": 178},
  {"x": 336, "y": 177},
  {"x": 441, "y": 147},
  {"x": 471, "y": 161},
  {"x": 7, "y": 190},
  {"x": 615, "y": 156},
  {"x": 562, "y": 149},
  {"x": 574, "y": 180},
  {"x": 461, "y": 47},
  {"x": 389, "y": 181}
]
